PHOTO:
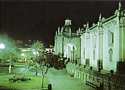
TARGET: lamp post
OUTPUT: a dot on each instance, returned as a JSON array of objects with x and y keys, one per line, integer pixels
[
  {"x": 8, "y": 50},
  {"x": 2, "y": 47}
]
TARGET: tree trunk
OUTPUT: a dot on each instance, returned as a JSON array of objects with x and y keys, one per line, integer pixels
[
  {"x": 36, "y": 72},
  {"x": 10, "y": 68},
  {"x": 42, "y": 82}
]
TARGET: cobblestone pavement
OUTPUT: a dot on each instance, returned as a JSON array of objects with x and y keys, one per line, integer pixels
[{"x": 60, "y": 80}]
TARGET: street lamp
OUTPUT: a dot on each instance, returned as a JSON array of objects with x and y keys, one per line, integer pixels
[
  {"x": 35, "y": 52},
  {"x": 24, "y": 56},
  {"x": 2, "y": 46}
]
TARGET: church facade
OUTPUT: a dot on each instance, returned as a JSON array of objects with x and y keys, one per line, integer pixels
[
  {"x": 96, "y": 53},
  {"x": 68, "y": 43},
  {"x": 101, "y": 46}
]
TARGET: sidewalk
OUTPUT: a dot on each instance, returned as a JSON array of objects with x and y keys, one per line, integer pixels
[{"x": 60, "y": 80}]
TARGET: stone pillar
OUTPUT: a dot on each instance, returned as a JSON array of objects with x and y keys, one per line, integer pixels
[
  {"x": 121, "y": 63},
  {"x": 100, "y": 44},
  {"x": 122, "y": 38}
]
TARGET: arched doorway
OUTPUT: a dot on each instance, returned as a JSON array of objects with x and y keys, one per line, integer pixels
[{"x": 69, "y": 51}]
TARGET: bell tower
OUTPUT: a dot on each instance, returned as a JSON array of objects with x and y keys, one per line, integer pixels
[
  {"x": 67, "y": 26},
  {"x": 68, "y": 22}
]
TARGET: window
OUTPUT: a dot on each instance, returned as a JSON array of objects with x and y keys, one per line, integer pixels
[
  {"x": 100, "y": 64},
  {"x": 93, "y": 54},
  {"x": 110, "y": 55},
  {"x": 87, "y": 62},
  {"x": 111, "y": 38},
  {"x": 84, "y": 52},
  {"x": 94, "y": 41}
]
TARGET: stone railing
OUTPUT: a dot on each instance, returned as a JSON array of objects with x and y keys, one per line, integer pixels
[{"x": 108, "y": 81}]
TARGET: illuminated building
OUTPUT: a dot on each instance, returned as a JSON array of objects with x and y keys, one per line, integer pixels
[
  {"x": 101, "y": 46},
  {"x": 100, "y": 49},
  {"x": 68, "y": 42}
]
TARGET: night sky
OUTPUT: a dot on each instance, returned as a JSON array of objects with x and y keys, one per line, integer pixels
[{"x": 26, "y": 20}]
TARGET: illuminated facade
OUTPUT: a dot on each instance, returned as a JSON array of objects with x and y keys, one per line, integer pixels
[
  {"x": 101, "y": 46},
  {"x": 67, "y": 43},
  {"x": 100, "y": 49}
]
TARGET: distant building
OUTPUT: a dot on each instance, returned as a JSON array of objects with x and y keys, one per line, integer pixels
[
  {"x": 26, "y": 54},
  {"x": 25, "y": 50}
]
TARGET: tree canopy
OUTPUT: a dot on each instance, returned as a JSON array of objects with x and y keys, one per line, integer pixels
[{"x": 38, "y": 48}]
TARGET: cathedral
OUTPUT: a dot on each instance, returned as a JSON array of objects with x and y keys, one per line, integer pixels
[
  {"x": 68, "y": 43},
  {"x": 101, "y": 46}
]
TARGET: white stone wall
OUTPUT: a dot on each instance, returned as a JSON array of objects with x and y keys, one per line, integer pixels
[
  {"x": 89, "y": 47},
  {"x": 58, "y": 47},
  {"x": 111, "y": 26},
  {"x": 83, "y": 49},
  {"x": 107, "y": 45}
]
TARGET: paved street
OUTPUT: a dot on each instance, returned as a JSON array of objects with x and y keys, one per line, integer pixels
[{"x": 60, "y": 80}]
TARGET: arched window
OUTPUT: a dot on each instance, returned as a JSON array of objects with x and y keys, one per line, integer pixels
[
  {"x": 111, "y": 38},
  {"x": 94, "y": 54},
  {"x": 73, "y": 53},
  {"x": 84, "y": 52},
  {"x": 110, "y": 54}
]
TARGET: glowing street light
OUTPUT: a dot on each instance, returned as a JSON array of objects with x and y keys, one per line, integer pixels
[
  {"x": 22, "y": 54},
  {"x": 35, "y": 52},
  {"x": 2, "y": 46}
]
